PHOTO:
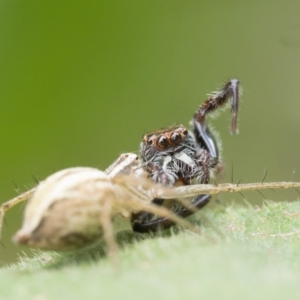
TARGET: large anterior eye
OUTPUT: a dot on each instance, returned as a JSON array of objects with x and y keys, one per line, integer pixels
[
  {"x": 163, "y": 142},
  {"x": 175, "y": 138},
  {"x": 149, "y": 142}
]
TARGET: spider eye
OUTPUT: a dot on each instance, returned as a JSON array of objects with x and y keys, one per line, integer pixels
[
  {"x": 185, "y": 132},
  {"x": 149, "y": 142},
  {"x": 176, "y": 138},
  {"x": 163, "y": 142}
]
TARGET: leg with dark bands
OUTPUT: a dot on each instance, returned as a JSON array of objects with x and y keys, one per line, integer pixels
[{"x": 141, "y": 222}]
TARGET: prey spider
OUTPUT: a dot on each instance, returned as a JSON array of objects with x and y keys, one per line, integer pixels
[
  {"x": 177, "y": 156},
  {"x": 76, "y": 206}
]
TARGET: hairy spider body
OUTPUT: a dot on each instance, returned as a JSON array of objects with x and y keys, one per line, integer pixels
[
  {"x": 168, "y": 155},
  {"x": 178, "y": 156}
]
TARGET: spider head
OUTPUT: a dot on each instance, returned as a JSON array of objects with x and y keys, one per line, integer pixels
[{"x": 165, "y": 138}]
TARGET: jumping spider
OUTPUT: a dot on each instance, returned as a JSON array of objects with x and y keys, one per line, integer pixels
[{"x": 177, "y": 156}]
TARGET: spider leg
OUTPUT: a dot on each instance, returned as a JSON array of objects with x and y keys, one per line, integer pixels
[
  {"x": 108, "y": 231},
  {"x": 164, "y": 214},
  {"x": 140, "y": 194},
  {"x": 145, "y": 221},
  {"x": 202, "y": 133},
  {"x": 229, "y": 91},
  {"x": 11, "y": 203},
  {"x": 192, "y": 190},
  {"x": 140, "y": 221}
]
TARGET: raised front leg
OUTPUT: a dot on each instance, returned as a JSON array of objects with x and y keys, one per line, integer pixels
[{"x": 204, "y": 138}]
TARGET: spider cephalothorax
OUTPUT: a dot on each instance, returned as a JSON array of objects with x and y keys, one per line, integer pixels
[
  {"x": 172, "y": 155},
  {"x": 178, "y": 156}
]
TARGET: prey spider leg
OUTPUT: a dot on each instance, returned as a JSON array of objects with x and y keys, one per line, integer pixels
[
  {"x": 184, "y": 210},
  {"x": 11, "y": 203},
  {"x": 192, "y": 190},
  {"x": 108, "y": 231}
]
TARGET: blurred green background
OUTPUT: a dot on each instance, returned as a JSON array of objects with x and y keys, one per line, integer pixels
[{"x": 81, "y": 81}]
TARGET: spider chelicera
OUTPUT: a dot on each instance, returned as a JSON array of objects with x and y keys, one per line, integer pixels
[{"x": 177, "y": 156}]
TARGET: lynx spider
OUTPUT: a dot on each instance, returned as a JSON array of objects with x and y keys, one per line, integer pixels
[{"x": 75, "y": 206}]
